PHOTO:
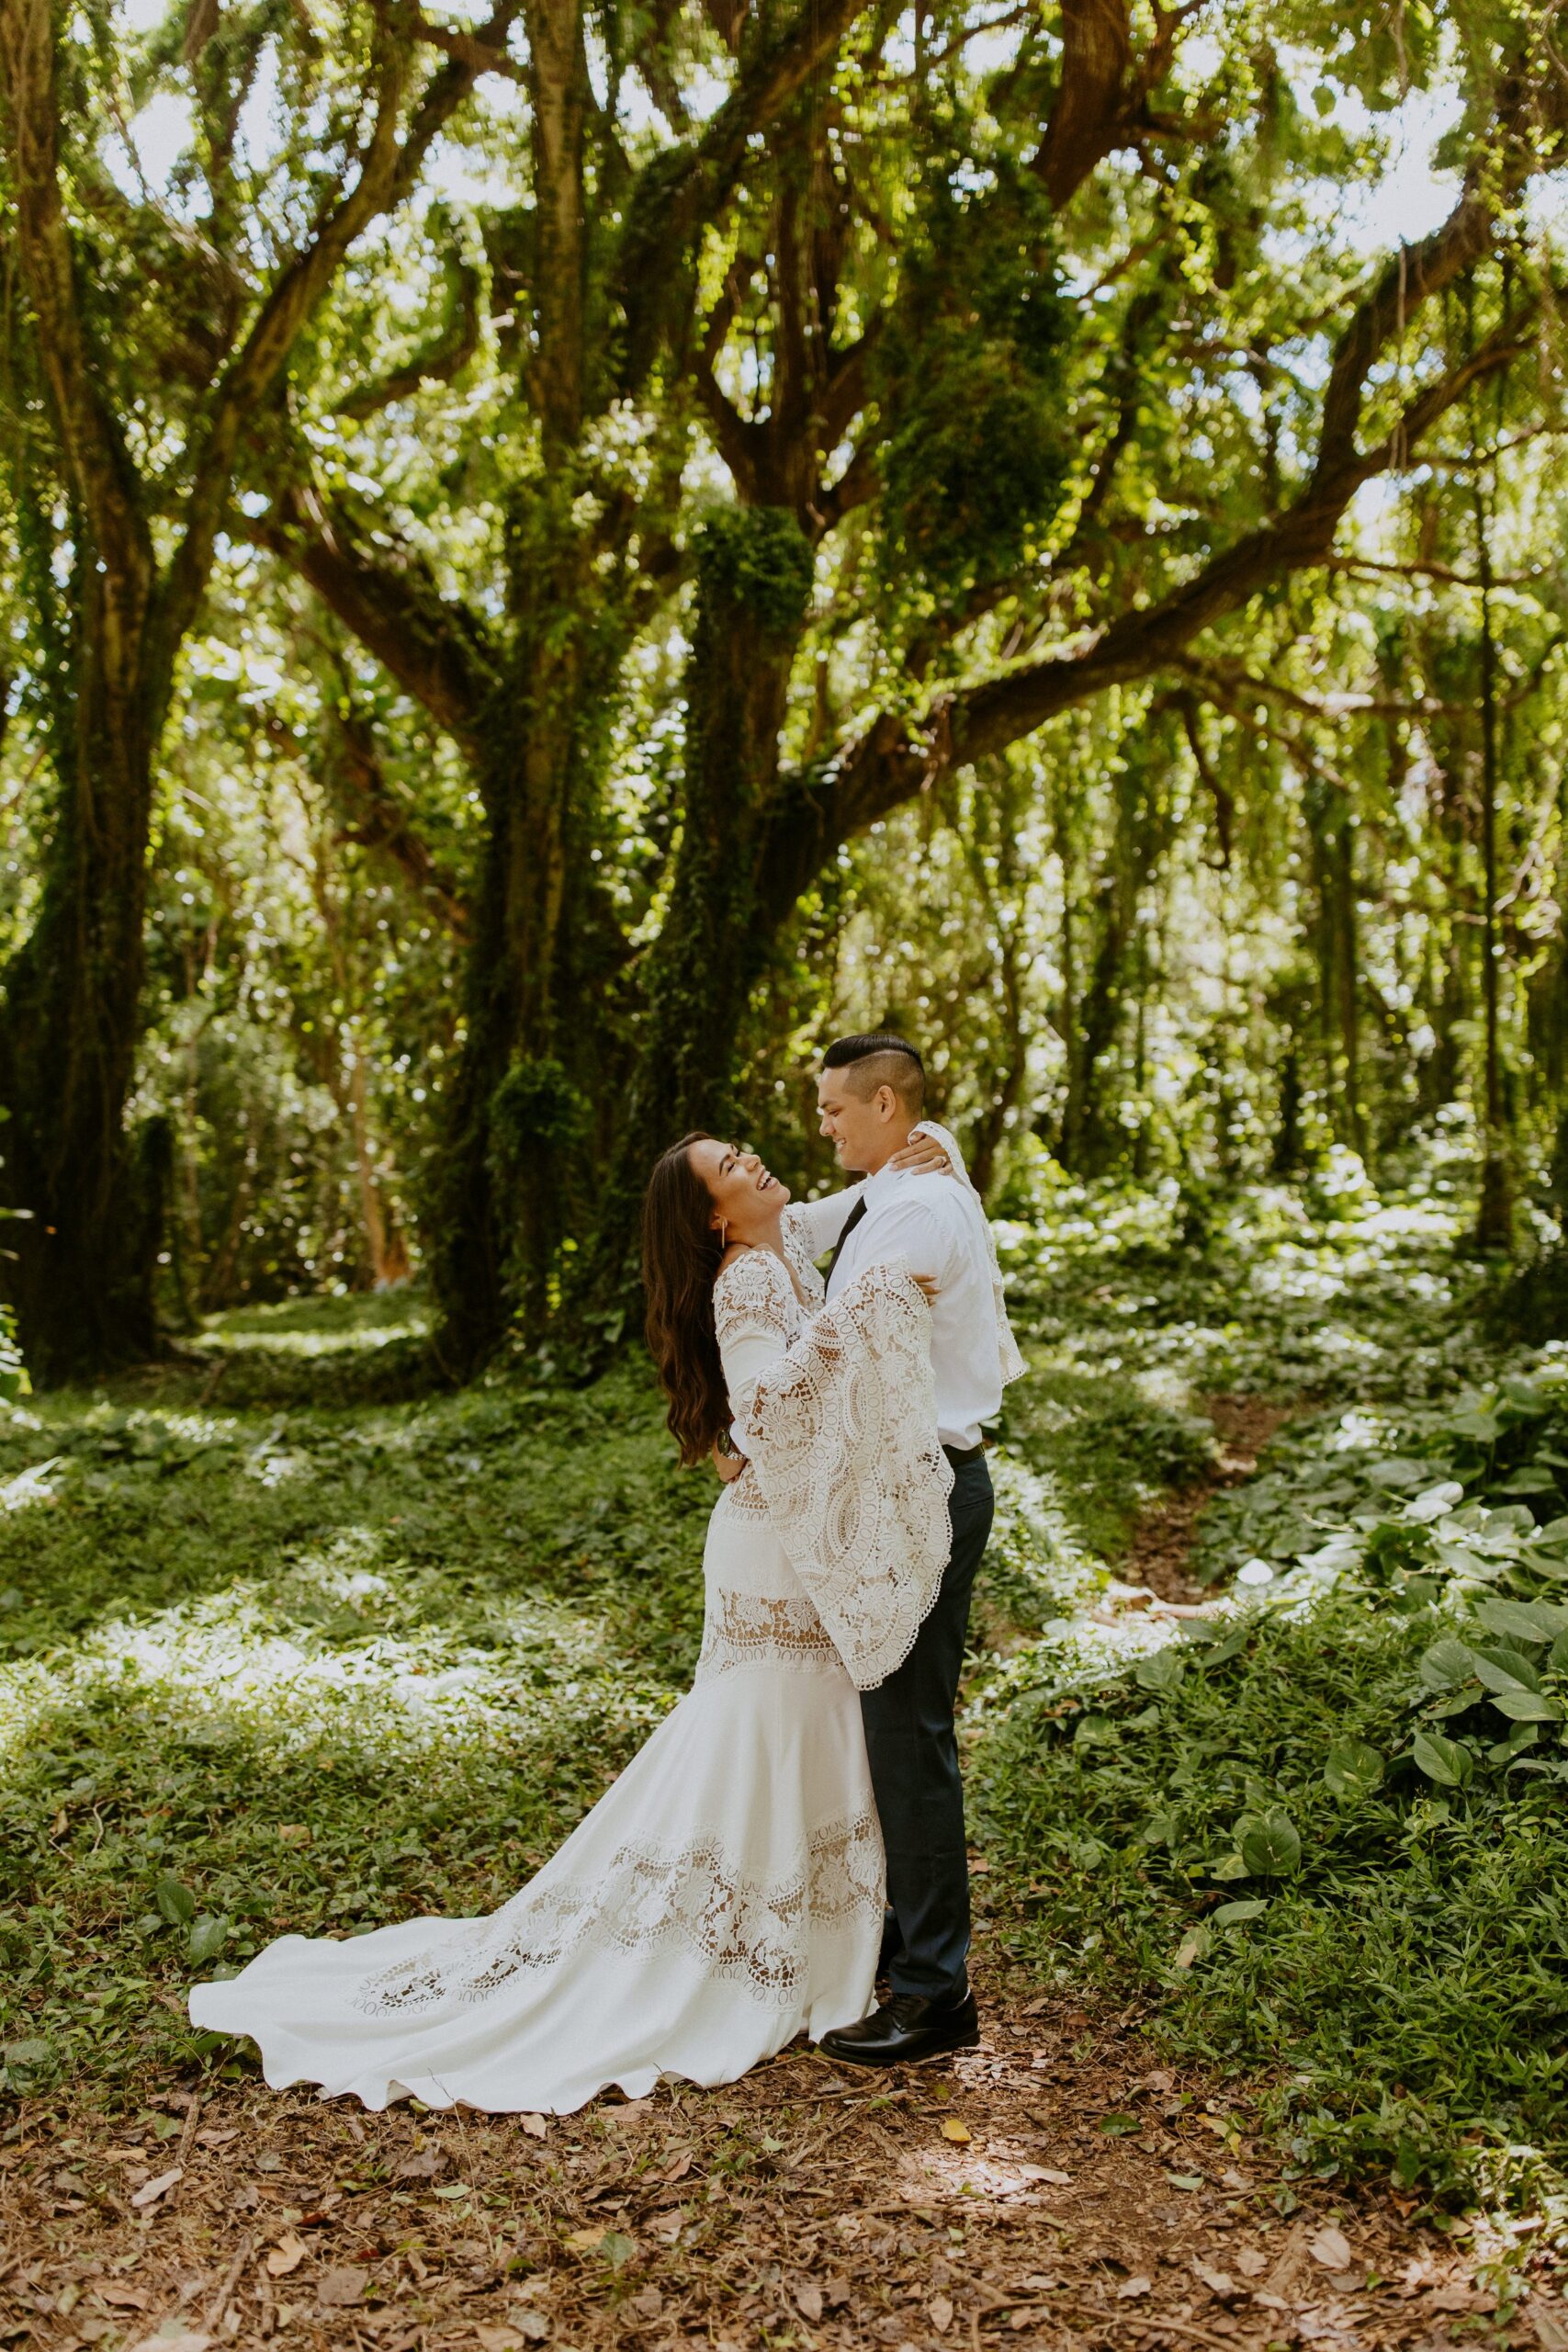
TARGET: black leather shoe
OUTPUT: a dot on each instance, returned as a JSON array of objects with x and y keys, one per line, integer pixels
[{"x": 906, "y": 2028}]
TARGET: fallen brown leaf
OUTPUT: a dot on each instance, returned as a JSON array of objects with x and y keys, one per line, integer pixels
[
  {"x": 939, "y": 2311},
  {"x": 151, "y": 2190},
  {"x": 536, "y": 2126},
  {"x": 808, "y": 2301},
  {"x": 952, "y": 2130},
  {"x": 1331, "y": 2247},
  {"x": 286, "y": 2256},
  {"x": 342, "y": 2285},
  {"x": 1131, "y": 2287},
  {"x": 1250, "y": 2262}
]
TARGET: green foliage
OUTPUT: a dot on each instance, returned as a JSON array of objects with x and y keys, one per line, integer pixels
[
  {"x": 971, "y": 377},
  {"x": 757, "y": 558},
  {"x": 325, "y": 1665},
  {"x": 1380, "y": 1938},
  {"x": 1324, "y": 1826},
  {"x": 535, "y": 1103}
]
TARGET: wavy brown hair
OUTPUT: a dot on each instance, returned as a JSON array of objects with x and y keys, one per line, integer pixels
[{"x": 680, "y": 1256}]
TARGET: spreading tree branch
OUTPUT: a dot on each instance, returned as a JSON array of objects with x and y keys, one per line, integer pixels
[
  {"x": 685, "y": 188},
  {"x": 434, "y": 649},
  {"x": 893, "y": 761},
  {"x": 387, "y": 171}
]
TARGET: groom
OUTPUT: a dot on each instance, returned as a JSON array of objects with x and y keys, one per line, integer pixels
[{"x": 870, "y": 1094}]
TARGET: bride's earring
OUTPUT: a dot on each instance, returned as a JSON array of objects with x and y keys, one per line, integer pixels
[{"x": 724, "y": 1233}]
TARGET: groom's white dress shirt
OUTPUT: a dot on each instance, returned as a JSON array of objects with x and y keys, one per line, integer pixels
[{"x": 939, "y": 1224}]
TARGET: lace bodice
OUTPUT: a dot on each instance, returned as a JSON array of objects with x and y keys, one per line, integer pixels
[{"x": 840, "y": 1415}]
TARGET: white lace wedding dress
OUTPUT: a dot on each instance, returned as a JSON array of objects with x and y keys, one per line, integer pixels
[{"x": 726, "y": 1892}]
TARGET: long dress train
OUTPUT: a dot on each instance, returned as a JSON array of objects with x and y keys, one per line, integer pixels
[{"x": 727, "y": 1891}]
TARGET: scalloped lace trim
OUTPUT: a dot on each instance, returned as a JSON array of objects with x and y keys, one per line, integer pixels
[{"x": 695, "y": 1899}]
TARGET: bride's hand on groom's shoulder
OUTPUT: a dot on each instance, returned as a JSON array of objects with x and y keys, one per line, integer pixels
[{"x": 922, "y": 1155}]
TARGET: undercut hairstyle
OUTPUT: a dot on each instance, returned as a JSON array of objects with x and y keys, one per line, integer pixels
[{"x": 880, "y": 1057}]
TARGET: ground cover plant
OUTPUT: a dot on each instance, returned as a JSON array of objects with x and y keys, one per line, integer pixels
[
  {"x": 285, "y": 1646},
  {"x": 1324, "y": 1825}
]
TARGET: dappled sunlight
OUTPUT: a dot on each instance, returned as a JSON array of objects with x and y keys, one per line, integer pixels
[{"x": 218, "y": 1668}]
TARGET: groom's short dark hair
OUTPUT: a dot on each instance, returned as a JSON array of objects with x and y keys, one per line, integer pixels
[{"x": 881, "y": 1057}]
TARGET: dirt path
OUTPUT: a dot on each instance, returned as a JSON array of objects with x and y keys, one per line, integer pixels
[
  {"x": 1163, "y": 1537},
  {"x": 1059, "y": 2187}
]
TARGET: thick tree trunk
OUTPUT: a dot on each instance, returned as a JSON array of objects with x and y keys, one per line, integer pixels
[
  {"x": 539, "y": 1055},
  {"x": 82, "y": 1264},
  {"x": 754, "y": 577}
]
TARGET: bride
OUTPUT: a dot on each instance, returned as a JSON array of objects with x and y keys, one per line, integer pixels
[{"x": 726, "y": 1892}]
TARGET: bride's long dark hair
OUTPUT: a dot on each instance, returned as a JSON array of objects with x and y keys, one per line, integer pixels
[{"x": 681, "y": 1255}]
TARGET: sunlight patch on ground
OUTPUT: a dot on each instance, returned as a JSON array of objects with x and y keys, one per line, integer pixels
[{"x": 216, "y": 1670}]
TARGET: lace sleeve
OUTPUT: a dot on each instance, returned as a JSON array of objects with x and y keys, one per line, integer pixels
[
  {"x": 842, "y": 1434},
  {"x": 756, "y": 1315}
]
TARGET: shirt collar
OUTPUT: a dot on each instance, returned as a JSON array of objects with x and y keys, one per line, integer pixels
[{"x": 876, "y": 1187}]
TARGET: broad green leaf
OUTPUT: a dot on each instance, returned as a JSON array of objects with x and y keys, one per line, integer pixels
[
  {"x": 1232, "y": 1915},
  {"x": 1270, "y": 1844},
  {"x": 1229, "y": 1866},
  {"x": 1446, "y": 1664},
  {"x": 176, "y": 1903},
  {"x": 1527, "y": 1707},
  {"x": 1443, "y": 1760},
  {"x": 1398, "y": 1471},
  {"x": 617, "y": 2249},
  {"x": 1523, "y": 1621},
  {"x": 1161, "y": 1670},
  {"x": 207, "y": 1937},
  {"x": 1518, "y": 1674},
  {"x": 1352, "y": 1768},
  {"x": 28, "y": 2054},
  {"x": 1557, "y": 1656}
]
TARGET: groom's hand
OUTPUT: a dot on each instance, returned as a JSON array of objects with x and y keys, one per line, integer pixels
[{"x": 922, "y": 1155}]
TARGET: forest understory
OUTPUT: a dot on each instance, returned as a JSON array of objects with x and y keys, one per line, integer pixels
[{"x": 1269, "y": 2094}]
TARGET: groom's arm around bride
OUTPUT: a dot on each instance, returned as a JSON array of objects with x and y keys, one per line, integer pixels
[{"x": 870, "y": 1096}]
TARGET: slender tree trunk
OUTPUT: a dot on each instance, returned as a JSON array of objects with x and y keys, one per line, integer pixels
[
  {"x": 1494, "y": 1216},
  {"x": 1092, "y": 1134}
]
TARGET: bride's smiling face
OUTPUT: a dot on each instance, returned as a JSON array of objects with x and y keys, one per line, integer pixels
[{"x": 747, "y": 1199}]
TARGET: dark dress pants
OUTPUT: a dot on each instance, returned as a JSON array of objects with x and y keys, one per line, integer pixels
[{"x": 913, "y": 1750}]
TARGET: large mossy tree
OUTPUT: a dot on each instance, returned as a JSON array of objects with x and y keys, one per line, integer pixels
[
  {"x": 903, "y": 409},
  {"x": 145, "y": 347}
]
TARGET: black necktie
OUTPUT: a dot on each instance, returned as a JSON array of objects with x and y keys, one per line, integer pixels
[{"x": 850, "y": 1222}]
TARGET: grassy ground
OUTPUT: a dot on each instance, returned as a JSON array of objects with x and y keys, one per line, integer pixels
[
  {"x": 286, "y": 1642},
  {"x": 282, "y": 1645}
]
